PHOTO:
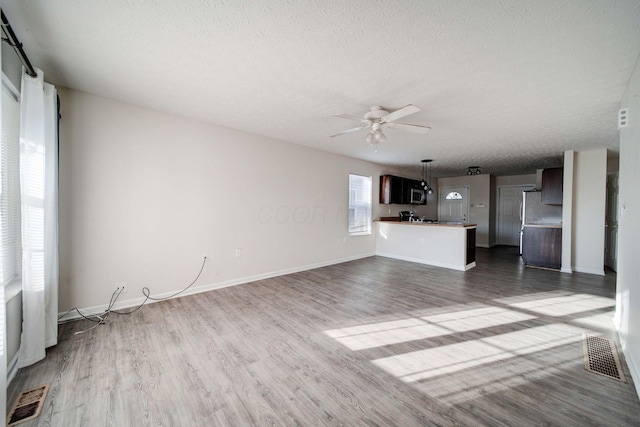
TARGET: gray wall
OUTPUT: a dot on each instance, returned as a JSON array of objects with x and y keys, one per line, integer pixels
[{"x": 11, "y": 65}]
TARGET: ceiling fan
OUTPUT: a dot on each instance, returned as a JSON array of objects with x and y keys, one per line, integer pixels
[{"x": 377, "y": 118}]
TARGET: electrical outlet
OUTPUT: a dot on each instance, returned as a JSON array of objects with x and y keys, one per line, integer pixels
[
  {"x": 122, "y": 287},
  {"x": 238, "y": 252}
]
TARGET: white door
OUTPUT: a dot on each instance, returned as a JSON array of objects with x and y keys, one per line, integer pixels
[
  {"x": 509, "y": 214},
  {"x": 453, "y": 204},
  {"x": 611, "y": 225}
]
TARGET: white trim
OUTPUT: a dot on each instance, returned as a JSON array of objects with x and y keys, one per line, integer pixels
[
  {"x": 99, "y": 309},
  {"x": 599, "y": 272},
  {"x": 566, "y": 270},
  {"x": 421, "y": 261},
  {"x": 12, "y": 368},
  {"x": 12, "y": 290},
  {"x": 6, "y": 82}
]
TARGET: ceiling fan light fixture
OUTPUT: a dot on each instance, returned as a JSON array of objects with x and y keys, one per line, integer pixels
[
  {"x": 377, "y": 118},
  {"x": 369, "y": 138}
]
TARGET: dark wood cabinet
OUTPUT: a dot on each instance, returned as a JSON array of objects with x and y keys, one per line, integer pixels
[
  {"x": 552, "y": 186},
  {"x": 391, "y": 189},
  {"x": 397, "y": 190},
  {"x": 542, "y": 246},
  {"x": 471, "y": 245}
]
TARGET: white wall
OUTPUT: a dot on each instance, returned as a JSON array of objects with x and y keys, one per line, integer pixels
[
  {"x": 144, "y": 194},
  {"x": 479, "y": 193},
  {"x": 589, "y": 208},
  {"x": 3, "y": 320},
  {"x": 627, "y": 316},
  {"x": 567, "y": 211},
  {"x": 516, "y": 180}
]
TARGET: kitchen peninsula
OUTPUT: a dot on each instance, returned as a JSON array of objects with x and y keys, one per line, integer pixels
[{"x": 442, "y": 245}]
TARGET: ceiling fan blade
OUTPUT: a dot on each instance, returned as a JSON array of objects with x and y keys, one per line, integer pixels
[
  {"x": 350, "y": 117},
  {"x": 395, "y": 115},
  {"x": 348, "y": 131},
  {"x": 410, "y": 128}
]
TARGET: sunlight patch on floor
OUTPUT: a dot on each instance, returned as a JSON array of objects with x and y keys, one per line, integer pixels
[
  {"x": 412, "y": 329},
  {"x": 449, "y": 359},
  {"x": 473, "y": 384},
  {"x": 561, "y": 305}
]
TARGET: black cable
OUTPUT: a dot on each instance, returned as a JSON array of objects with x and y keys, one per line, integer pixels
[
  {"x": 82, "y": 315},
  {"x": 116, "y": 294},
  {"x": 101, "y": 318},
  {"x": 114, "y": 297},
  {"x": 147, "y": 293}
]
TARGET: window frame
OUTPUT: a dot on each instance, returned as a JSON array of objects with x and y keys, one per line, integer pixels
[
  {"x": 12, "y": 283},
  {"x": 358, "y": 207}
]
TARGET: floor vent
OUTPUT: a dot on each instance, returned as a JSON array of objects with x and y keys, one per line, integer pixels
[
  {"x": 601, "y": 357},
  {"x": 27, "y": 406}
]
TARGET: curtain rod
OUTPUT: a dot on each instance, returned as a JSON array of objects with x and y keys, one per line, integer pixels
[{"x": 12, "y": 39}]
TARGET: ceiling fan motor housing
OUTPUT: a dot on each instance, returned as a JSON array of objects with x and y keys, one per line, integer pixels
[{"x": 376, "y": 114}]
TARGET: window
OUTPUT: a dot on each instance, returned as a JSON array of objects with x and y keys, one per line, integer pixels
[
  {"x": 359, "y": 204},
  {"x": 10, "y": 257},
  {"x": 454, "y": 195}
]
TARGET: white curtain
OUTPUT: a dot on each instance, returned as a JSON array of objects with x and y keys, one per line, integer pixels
[{"x": 39, "y": 198}]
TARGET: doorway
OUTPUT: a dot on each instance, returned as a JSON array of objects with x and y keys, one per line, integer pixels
[
  {"x": 510, "y": 213},
  {"x": 611, "y": 223},
  {"x": 453, "y": 204}
]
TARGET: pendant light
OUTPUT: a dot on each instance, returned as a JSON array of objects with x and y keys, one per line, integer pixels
[{"x": 426, "y": 176}]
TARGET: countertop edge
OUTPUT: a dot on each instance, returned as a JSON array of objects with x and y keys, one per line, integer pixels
[{"x": 427, "y": 224}]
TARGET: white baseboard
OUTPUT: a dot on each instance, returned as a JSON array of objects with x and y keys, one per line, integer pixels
[
  {"x": 99, "y": 309},
  {"x": 12, "y": 368},
  {"x": 566, "y": 270},
  {"x": 634, "y": 370},
  {"x": 599, "y": 272}
]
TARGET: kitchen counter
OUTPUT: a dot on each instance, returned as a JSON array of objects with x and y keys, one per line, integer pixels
[
  {"x": 442, "y": 245},
  {"x": 431, "y": 224}
]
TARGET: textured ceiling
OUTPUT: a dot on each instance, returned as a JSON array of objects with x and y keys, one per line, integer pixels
[{"x": 506, "y": 85}]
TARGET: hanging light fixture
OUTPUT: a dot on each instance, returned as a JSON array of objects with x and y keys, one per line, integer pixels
[
  {"x": 426, "y": 176},
  {"x": 375, "y": 139},
  {"x": 375, "y": 136},
  {"x": 473, "y": 170}
]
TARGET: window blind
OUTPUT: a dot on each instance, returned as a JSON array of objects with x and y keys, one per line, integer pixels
[
  {"x": 359, "y": 204},
  {"x": 10, "y": 265}
]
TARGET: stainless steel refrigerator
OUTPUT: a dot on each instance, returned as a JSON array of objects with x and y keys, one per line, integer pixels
[{"x": 534, "y": 212}]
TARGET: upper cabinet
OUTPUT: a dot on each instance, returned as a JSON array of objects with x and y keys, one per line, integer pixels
[
  {"x": 398, "y": 190},
  {"x": 552, "y": 186}
]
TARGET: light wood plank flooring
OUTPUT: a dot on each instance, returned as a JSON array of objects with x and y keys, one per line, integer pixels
[{"x": 370, "y": 342}]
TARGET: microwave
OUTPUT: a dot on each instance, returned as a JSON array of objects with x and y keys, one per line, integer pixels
[{"x": 417, "y": 196}]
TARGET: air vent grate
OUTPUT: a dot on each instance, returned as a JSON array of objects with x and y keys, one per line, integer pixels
[
  {"x": 27, "y": 406},
  {"x": 601, "y": 357}
]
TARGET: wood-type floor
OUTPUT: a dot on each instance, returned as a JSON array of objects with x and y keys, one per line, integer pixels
[{"x": 375, "y": 341}]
